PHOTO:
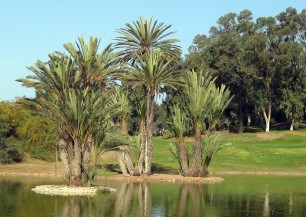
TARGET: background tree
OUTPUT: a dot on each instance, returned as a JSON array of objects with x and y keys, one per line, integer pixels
[
  {"x": 291, "y": 59},
  {"x": 258, "y": 60}
]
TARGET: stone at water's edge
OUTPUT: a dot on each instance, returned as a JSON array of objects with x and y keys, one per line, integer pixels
[{"x": 65, "y": 190}]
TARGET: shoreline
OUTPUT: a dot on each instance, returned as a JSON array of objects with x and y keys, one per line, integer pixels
[{"x": 163, "y": 178}]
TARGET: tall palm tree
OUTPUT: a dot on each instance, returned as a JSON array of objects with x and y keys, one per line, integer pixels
[
  {"x": 143, "y": 36},
  {"x": 149, "y": 53},
  {"x": 151, "y": 72}
]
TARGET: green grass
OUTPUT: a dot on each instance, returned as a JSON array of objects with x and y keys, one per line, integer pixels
[{"x": 275, "y": 151}]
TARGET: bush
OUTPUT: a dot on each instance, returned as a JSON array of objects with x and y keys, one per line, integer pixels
[
  {"x": 9, "y": 153},
  {"x": 167, "y": 135}
]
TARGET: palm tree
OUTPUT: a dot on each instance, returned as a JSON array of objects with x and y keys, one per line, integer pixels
[
  {"x": 150, "y": 56},
  {"x": 144, "y": 36},
  {"x": 204, "y": 103},
  {"x": 198, "y": 89},
  {"x": 124, "y": 153},
  {"x": 71, "y": 90},
  {"x": 151, "y": 72},
  {"x": 179, "y": 126}
]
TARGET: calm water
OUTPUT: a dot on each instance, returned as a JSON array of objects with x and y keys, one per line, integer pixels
[{"x": 236, "y": 196}]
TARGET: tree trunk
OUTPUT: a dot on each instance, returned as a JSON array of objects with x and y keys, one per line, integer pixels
[
  {"x": 197, "y": 169},
  {"x": 124, "y": 153},
  {"x": 292, "y": 124},
  {"x": 141, "y": 165},
  {"x": 267, "y": 116},
  {"x": 183, "y": 158},
  {"x": 76, "y": 164},
  {"x": 62, "y": 147},
  {"x": 56, "y": 161},
  {"x": 206, "y": 165},
  {"x": 249, "y": 121},
  {"x": 87, "y": 171},
  {"x": 122, "y": 163},
  {"x": 149, "y": 131}
]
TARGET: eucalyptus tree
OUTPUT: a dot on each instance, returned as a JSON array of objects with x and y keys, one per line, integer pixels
[
  {"x": 222, "y": 52},
  {"x": 71, "y": 91},
  {"x": 149, "y": 56},
  {"x": 204, "y": 103},
  {"x": 291, "y": 59}
]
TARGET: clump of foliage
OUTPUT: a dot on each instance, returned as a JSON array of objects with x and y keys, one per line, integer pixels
[
  {"x": 104, "y": 191},
  {"x": 212, "y": 144},
  {"x": 9, "y": 152}
]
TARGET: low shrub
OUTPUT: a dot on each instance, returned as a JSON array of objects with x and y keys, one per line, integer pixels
[
  {"x": 167, "y": 135},
  {"x": 9, "y": 153}
]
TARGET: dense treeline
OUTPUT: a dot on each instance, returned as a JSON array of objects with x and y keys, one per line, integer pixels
[
  {"x": 26, "y": 133},
  {"x": 244, "y": 73},
  {"x": 262, "y": 62}
]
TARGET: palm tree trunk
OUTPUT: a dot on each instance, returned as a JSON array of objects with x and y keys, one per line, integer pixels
[
  {"x": 141, "y": 166},
  {"x": 62, "y": 147},
  {"x": 197, "y": 170},
  {"x": 183, "y": 158},
  {"x": 76, "y": 165},
  {"x": 86, "y": 161},
  {"x": 124, "y": 154},
  {"x": 206, "y": 165},
  {"x": 149, "y": 131}
]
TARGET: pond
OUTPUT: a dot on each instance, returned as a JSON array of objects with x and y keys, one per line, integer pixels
[{"x": 236, "y": 196}]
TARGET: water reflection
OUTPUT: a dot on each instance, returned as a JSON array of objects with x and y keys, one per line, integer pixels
[
  {"x": 138, "y": 199},
  {"x": 132, "y": 195},
  {"x": 234, "y": 197},
  {"x": 74, "y": 206}
]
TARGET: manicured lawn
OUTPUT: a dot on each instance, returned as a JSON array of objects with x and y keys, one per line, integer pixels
[{"x": 275, "y": 151}]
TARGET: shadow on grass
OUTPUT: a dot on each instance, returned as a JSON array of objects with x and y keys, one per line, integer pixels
[
  {"x": 158, "y": 168},
  {"x": 109, "y": 167},
  {"x": 283, "y": 126}
]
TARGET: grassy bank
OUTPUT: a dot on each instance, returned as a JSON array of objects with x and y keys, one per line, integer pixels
[{"x": 277, "y": 151}]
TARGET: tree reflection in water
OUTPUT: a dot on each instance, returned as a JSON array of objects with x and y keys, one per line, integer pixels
[
  {"x": 74, "y": 207},
  {"x": 160, "y": 199},
  {"x": 135, "y": 199},
  {"x": 132, "y": 195}
]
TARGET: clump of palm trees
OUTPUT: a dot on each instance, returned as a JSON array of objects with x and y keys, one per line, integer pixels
[
  {"x": 204, "y": 103},
  {"x": 80, "y": 92}
]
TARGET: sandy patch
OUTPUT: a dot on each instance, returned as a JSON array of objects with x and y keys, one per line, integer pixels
[
  {"x": 65, "y": 190},
  {"x": 296, "y": 133},
  {"x": 269, "y": 136},
  {"x": 163, "y": 178}
]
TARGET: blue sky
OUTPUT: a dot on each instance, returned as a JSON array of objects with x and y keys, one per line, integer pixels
[{"x": 32, "y": 29}]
